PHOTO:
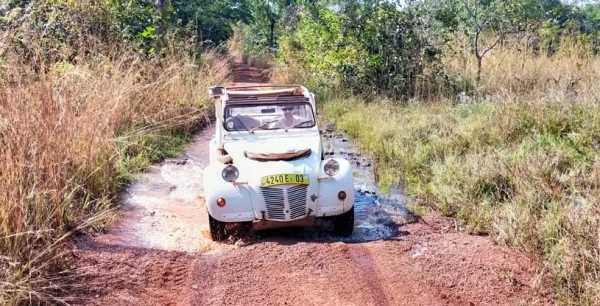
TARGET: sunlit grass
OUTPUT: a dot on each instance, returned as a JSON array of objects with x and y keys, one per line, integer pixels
[
  {"x": 525, "y": 173},
  {"x": 71, "y": 136},
  {"x": 516, "y": 158}
]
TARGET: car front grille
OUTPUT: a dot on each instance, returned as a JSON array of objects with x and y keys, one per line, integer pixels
[
  {"x": 297, "y": 201},
  {"x": 275, "y": 202},
  {"x": 285, "y": 202}
]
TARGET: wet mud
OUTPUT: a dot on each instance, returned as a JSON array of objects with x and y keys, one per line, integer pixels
[{"x": 164, "y": 209}]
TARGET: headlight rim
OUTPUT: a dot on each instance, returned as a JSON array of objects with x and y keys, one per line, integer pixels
[
  {"x": 230, "y": 169},
  {"x": 331, "y": 167}
]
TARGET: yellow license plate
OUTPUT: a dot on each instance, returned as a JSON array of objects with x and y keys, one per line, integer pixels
[{"x": 282, "y": 179}]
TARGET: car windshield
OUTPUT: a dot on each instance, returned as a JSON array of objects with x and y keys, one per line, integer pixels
[{"x": 251, "y": 117}]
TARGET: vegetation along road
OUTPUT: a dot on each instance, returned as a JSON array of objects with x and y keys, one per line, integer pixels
[
  {"x": 472, "y": 126},
  {"x": 160, "y": 252}
]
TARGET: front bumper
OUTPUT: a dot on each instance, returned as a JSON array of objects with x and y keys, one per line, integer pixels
[
  {"x": 280, "y": 205},
  {"x": 269, "y": 224}
]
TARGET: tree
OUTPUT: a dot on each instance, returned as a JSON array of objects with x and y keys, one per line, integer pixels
[
  {"x": 209, "y": 21},
  {"x": 267, "y": 16},
  {"x": 500, "y": 18},
  {"x": 370, "y": 47}
]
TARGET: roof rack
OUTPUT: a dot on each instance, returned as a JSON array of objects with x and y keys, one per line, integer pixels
[
  {"x": 268, "y": 99},
  {"x": 256, "y": 91}
]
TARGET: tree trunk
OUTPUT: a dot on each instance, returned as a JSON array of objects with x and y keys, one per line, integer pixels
[
  {"x": 160, "y": 6},
  {"x": 479, "y": 60},
  {"x": 271, "y": 33}
]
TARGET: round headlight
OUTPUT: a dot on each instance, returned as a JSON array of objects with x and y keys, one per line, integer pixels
[
  {"x": 230, "y": 173},
  {"x": 331, "y": 167}
]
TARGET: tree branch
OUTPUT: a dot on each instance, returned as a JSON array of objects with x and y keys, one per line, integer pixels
[{"x": 500, "y": 37}]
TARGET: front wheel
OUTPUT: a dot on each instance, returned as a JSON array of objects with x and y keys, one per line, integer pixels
[
  {"x": 217, "y": 229},
  {"x": 343, "y": 224}
]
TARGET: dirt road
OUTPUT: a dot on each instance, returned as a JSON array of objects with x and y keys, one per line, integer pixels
[{"x": 159, "y": 253}]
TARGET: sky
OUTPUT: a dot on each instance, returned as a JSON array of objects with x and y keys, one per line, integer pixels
[{"x": 581, "y": 2}]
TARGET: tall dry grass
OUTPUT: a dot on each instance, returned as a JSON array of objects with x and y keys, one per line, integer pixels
[
  {"x": 516, "y": 157},
  {"x": 515, "y": 71},
  {"x": 70, "y": 137}
]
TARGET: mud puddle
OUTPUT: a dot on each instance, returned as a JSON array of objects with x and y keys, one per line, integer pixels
[
  {"x": 164, "y": 209},
  {"x": 377, "y": 216}
]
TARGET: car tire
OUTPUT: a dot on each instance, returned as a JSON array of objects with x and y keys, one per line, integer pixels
[
  {"x": 217, "y": 229},
  {"x": 343, "y": 224}
]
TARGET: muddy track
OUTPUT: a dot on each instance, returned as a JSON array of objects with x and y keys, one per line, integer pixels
[{"x": 159, "y": 253}]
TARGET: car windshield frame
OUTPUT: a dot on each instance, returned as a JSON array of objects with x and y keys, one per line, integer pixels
[{"x": 249, "y": 117}]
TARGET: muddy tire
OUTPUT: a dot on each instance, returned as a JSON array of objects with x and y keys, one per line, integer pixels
[
  {"x": 343, "y": 224},
  {"x": 217, "y": 229}
]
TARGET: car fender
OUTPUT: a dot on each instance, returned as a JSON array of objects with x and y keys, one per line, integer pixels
[
  {"x": 238, "y": 205},
  {"x": 329, "y": 186}
]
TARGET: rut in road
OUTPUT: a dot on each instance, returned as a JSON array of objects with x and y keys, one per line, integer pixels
[{"x": 159, "y": 252}]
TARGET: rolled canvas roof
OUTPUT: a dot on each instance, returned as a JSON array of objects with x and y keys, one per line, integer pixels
[{"x": 260, "y": 91}]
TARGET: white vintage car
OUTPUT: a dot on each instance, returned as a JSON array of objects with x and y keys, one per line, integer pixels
[{"x": 267, "y": 167}]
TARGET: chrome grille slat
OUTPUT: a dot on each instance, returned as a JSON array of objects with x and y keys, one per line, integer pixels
[
  {"x": 275, "y": 201},
  {"x": 297, "y": 201}
]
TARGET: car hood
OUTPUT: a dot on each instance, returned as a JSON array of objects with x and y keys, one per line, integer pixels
[{"x": 272, "y": 148}]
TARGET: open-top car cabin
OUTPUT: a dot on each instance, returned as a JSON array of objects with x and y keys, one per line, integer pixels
[{"x": 267, "y": 167}]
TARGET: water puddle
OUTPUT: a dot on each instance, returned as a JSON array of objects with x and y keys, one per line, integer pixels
[
  {"x": 376, "y": 216},
  {"x": 165, "y": 210}
]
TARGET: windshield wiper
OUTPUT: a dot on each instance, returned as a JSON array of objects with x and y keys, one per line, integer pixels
[
  {"x": 262, "y": 124},
  {"x": 297, "y": 125},
  {"x": 301, "y": 123}
]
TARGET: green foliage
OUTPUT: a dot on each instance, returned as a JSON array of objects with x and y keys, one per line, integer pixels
[
  {"x": 270, "y": 21},
  {"x": 379, "y": 48},
  {"x": 522, "y": 172},
  {"x": 369, "y": 49},
  {"x": 62, "y": 29},
  {"x": 139, "y": 149},
  {"x": 57, "y": 28},
  {"x": 205, "y": 23},
  {"x": 135, "y": 22},
  {"x": 208, "y": 22}
]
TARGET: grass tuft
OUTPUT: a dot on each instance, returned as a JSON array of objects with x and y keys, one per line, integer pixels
[{"x": 71, "y": 136}]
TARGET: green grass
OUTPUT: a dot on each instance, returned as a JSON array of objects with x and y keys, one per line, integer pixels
[
  {"x": 515, "y": 156},
  {"x": 139, "y": 151},
  {"x": 526, "y": 173}
]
